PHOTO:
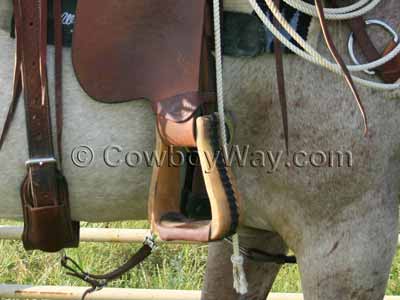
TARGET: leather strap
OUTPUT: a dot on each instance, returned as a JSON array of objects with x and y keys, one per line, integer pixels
[
  {"x": 17, "y": 88},
  {"x": 97, "y": 282},
  {"x": 364, "y": 42},
  {"x": 391, "y": 70},
  {"x": 44, "y": 193},
  {"x": 280, "y": 75},
  {"x": 339, "y": 61}
]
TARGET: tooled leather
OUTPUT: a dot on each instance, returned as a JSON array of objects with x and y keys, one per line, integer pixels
[{"x": 44, "y": 189}]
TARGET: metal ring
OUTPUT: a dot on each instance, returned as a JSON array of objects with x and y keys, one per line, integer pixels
[
  {"x": 40, "y": 161},
  {"x": 377, "y": 22}
]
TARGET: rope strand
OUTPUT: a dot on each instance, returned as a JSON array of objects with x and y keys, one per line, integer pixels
[{"x": 239, "y": 276}]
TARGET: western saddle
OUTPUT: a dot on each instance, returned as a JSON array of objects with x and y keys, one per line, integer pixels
[{"x": 133, "y": 49}]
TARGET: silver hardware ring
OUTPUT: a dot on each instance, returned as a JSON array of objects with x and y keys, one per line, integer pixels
[
  {"x": 40, "y": 161},
  {"x": 376, "y": 22}
]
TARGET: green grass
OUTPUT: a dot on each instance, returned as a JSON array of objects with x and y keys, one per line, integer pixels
[{"x": 170, "y": 267}]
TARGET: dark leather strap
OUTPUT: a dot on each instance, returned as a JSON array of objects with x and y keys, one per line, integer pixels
[
  {"x": 58, "y": 41},
  {"x": 392, "y": 68},
  {"x": 339, "y": 61},
  {"x": 364, "y": 42},
  {"x": 280, "y": 74},
  {"x": 97, "y": 282},
  {"x": 17, "y": 88},
  {"x": 44, "y": 193}
]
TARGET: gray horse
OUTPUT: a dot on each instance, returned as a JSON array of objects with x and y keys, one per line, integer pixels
[{"x": 333, "y": 200}]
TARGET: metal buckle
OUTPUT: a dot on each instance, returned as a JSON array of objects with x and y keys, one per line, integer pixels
[
  {"x": 377, "y": 22},
  {"x": 40, "y": 161},
  {"x": 150, "y": 241}
]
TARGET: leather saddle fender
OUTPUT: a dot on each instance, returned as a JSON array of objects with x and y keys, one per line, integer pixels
[{"x": 161, "y": 51}]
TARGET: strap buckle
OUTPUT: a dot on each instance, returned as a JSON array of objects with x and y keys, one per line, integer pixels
[
  {"x": 40, "y": 161},
  {"x": 150, "y": 241}
]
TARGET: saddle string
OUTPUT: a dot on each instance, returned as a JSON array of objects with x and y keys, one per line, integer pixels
[
  {"x": 340, "y": 61},
  {"x": 318, "y": 59},
  {"x": 16, "y": 93},
  {"x": 280, "y": 75}
]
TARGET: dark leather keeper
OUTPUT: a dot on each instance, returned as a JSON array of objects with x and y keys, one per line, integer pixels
[
  {"x": 48, "y": 225},
  {"x": 45, "y": 227}
]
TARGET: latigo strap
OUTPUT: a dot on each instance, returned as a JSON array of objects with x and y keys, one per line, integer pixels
[{"x": 44, "y": 192}]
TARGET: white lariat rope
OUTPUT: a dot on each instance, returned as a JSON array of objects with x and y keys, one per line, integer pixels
[
  {"x": 357, "y": 9},
  {"x": 312, "y": 55},
  {"x": 321, "y": 60},
  {"x": 239, "y": 277}
]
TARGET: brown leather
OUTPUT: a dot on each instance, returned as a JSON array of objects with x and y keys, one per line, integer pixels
[
  {"x": 173, "y": 133},
  {"x": 44, "y": 193},
  {"x": 142, "y": 59},
  {"x": 364, "y": 42},
  {"x": 98, "y": 281},
  {"x": 140, "y": 51},
  {"x": 17, "y": 88},
  {"x": 391, "y": 70},
  {"x": 280, "y": 76},
  {"x": 339, "y": 60},
  {"x": 174, "y": 128},
  {"x": 175, "y": 116},
  {"x": 182, "y": 88}
]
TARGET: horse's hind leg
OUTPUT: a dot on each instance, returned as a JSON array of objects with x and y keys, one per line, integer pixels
[
  {"x": 260, "y": 276},
  {"x": 351, "y": 260}
]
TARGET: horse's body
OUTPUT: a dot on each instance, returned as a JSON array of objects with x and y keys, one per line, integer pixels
[{"x": 341, "y": 222}]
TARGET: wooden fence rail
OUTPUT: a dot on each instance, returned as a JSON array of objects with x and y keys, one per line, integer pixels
[
  {"x": 75, "y": 293},
  {"x": 12, "y": 291}
]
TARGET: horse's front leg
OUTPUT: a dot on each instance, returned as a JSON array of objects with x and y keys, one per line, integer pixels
[
  {"x": 351, "y": 259},
  {"x": 218, "y": 283}
]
